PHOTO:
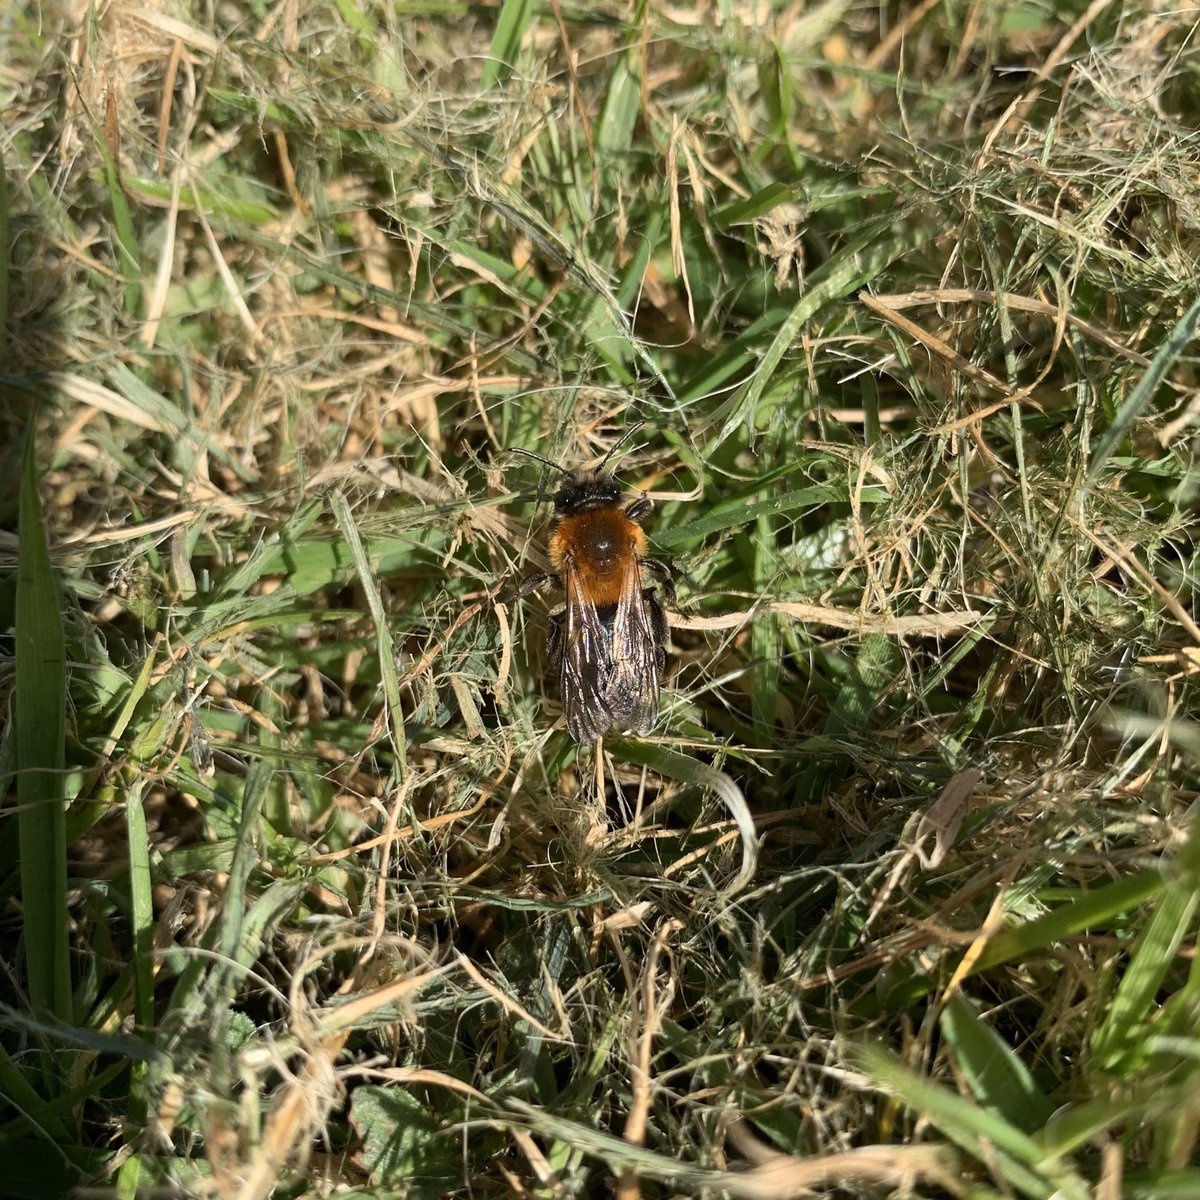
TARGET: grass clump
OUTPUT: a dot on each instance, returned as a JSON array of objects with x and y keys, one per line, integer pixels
[{"x": 306, "y": 890}]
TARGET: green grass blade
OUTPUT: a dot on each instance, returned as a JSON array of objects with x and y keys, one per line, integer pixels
[
  {"x": 1183, "y": 1184},
  {"x": 765, "y": 641},
  {"x": 622, "y": 103},
  {"x": 1015, "y": 1156},
  {"x": 34, "y": 1113},
  {"x": 1168, "y": 354},
  {"x": 1090, "y": 910},
  {"x": 995, "y": 1074},
  {"x": 41, "y": 678},
  {"x": 506, "y": 42},
  {"x": 124, "y": 232},
  {"x": 141, "y": 910},
  {"x": 232, "y": 942},
  {"x": 5, "y": 244},
  {"x": 383, "y": 635},
  {"x": 854, "y": 267},
  {"x": 1078, "y": 1125},
  {"x": 874, "y": 667},
  {"x": 741, "y": 515},
  {"x": 742, "y": 212},
  {"x": 1135, "y": 1002}
]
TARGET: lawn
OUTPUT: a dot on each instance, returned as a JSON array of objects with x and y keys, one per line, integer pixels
[{"x": 890, "y": 309}]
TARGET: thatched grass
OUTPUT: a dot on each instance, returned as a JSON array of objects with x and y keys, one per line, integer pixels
[{"x": 307, "y": 890}]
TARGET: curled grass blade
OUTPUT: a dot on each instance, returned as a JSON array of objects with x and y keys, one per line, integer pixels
[{"x": 690, "y": 770}]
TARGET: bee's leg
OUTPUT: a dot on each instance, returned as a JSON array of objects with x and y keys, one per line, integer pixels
[
  {"x": 659, "y": 625},
  {"x": 639, "y": 508},
  {"x": 554, "y": 640},
  {"x": 535, "y": 583},
  {"x": 662, "y": 575}
]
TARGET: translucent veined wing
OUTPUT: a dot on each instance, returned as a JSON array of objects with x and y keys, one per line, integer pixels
[
  {"x": 586, "y": 668},
  {"x": 632, "y": 693}
]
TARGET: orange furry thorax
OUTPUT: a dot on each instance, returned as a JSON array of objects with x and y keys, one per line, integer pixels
[{"x": 597, "y": 545}]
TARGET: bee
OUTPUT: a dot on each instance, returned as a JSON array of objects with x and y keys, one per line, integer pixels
[{"x": 607, "y": 641}]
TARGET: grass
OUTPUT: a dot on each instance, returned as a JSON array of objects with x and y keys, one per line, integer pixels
[{"x": 306, "y": 890}]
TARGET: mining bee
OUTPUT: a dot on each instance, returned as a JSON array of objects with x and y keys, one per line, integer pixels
[{"x": 607, "y": 642}]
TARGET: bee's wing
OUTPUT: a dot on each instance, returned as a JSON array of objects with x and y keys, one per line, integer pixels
[
  {"x": 586, "y": 668},
  {"x": 633, "y": 686}
]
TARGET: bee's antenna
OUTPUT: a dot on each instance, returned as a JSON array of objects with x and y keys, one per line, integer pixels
[
  {"x": 540, "y": 458},
  {"x": 624, "y": 438}
]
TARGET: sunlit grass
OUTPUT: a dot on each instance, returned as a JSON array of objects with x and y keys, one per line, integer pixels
[{"x": 907, "y": 314}]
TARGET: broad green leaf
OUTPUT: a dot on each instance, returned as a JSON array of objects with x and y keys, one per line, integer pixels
[{"x": 402, "y": 1140}]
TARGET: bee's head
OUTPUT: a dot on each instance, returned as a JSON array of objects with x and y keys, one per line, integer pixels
[{"x": 586, "y": 489}]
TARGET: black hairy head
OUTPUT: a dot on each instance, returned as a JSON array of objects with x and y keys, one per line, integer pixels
[{"x": 589, "y": 489}]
